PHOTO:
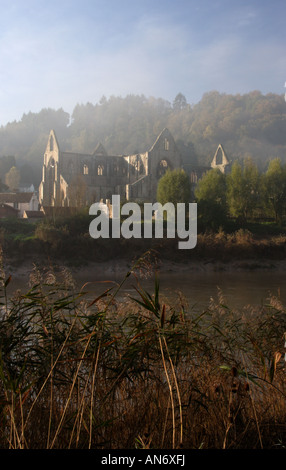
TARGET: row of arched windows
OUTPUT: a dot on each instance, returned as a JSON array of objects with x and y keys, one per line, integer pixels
[
  {"x": 100, "y": 170},
  {"x": 117, "y": 169},
  {"x": 139, "y": 167}
]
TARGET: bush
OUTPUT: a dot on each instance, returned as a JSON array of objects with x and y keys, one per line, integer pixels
[
  {"x": 13, "y": 227},
  {"x": 174, "y": 187},
  {"x": 211, "y": 216}
]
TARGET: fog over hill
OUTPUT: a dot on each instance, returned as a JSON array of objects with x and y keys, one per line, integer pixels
[{"x": 252, "y": 124}]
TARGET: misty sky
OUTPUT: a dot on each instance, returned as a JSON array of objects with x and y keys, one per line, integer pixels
[{"x": 60, "y": 53}]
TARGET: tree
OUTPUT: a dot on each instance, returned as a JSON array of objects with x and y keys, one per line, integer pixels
[
  {"x": 179, "y": 102},
  {"x": 211, "y": 198},
  {"x": 174, "y": 186},
  {"x": 212, "y": 187},
  {"x": 243, "y": 189},
  {"x": 275, "y": 184},
  {"x": 12, "y": 178},
  {"x": 252, "y": 187}
]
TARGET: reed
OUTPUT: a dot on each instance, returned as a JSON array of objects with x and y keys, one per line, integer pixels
[{"x": 140, "y": 372}]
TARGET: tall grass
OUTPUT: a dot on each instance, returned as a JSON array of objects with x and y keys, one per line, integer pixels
[{"x": 137, "y": 373}]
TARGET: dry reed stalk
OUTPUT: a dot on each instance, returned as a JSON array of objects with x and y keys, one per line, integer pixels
[
  {"x": 14, "y": 436},
  {"x": 51, "y": 412},
  {"x": 77, "y": 420},
  {"x": 22, "y": 421},
  {"x": 231, "y": 419},
  {"x": 81, "y": 407},
  {"x": 226, "y": 434},
  {"x": 79, "y": 415},
  {"x": 256, "y": 420},
  {"x": 71, "y": 391},
  {"x": 171, "y": 391},
  {"x": 51, "y": 370},
  {"x": 178, "y": 392},
  {"x": 92, "y": 396},
  {"x": 51, "y": 388},
  {"x": 165, "y": 423},
  {"x": 252, "y": 404},
  {"x": 144, "y": 444}
]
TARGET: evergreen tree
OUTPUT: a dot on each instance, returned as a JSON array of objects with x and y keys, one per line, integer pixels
[{"x": 180, "y": 102}]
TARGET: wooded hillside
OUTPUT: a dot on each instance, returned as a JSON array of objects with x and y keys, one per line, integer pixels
[{"x": 246, "y": 125}]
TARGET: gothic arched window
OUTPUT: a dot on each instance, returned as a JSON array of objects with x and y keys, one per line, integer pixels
[
  {"x": 51, "y": 163},
  {"x": 100, "y": 169},
  {"x": 162, "y": 168}
]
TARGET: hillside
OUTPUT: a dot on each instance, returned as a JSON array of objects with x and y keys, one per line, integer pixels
[{"x": 247, "y": 125}]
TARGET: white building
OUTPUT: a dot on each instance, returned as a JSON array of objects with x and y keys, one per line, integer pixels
[{"x": 20, "y": 201}]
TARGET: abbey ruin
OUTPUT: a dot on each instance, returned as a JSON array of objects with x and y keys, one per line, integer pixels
[{"x": 73, "y": 179}]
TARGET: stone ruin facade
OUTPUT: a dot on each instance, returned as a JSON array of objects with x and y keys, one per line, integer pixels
[{"x": 73, "y": 179}]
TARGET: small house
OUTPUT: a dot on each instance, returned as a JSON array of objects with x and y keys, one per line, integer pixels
[{"x": 21, "y": 201}]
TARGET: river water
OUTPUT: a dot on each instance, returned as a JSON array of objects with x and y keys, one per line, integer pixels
[{"x": 238, "y": 288}]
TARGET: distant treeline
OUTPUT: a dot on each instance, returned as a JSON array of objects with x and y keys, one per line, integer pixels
[{"x": 250, "y": 125}]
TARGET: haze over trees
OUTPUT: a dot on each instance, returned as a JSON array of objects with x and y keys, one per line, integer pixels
[{"x": 250, "y": 125}]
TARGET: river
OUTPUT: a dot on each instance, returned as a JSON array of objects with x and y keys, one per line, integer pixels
[{"x": 239, "y": 288}]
